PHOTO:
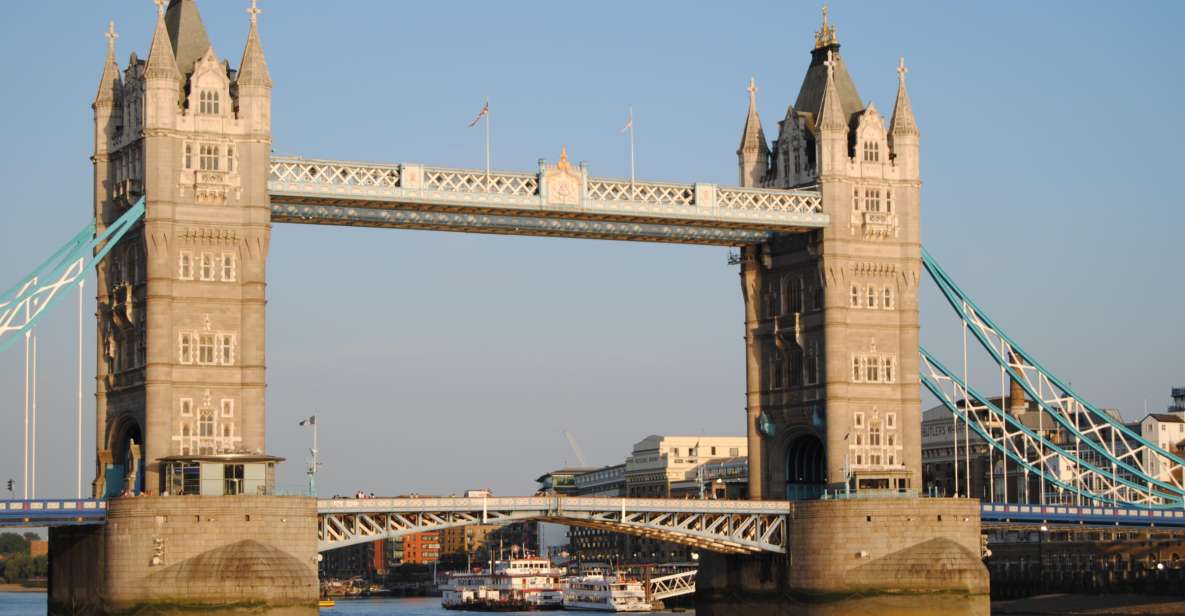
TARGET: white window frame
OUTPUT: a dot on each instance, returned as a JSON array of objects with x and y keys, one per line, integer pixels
[
  {"x": 228, "y": 408},
  {"x": 185, "y": 265},
  {"x": 858, "y": 419},
  {"x": 207, "y": 349},
  {"x": 206, "y": 419},
  {"x": 185, "y": 347},
  {"x": 225, "y": 353},
  {"x": 186, "y": 407},
  {"x": 855, "y": 296},
  {"x": 206, "y": 267},
  {"x": 887, "y": 298},
  {"x": 230, "y": 268}
]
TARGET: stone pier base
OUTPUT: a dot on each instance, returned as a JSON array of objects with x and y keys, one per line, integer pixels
[
  {"x": 878, "y": 552},
  {"x": 189, "y": 555}
]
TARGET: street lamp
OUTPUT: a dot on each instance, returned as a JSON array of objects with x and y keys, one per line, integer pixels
[{"x": 312, "y": 421}]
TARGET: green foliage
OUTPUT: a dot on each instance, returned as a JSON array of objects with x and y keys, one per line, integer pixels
[
  {"x": 21, "y": 567},
  {"x": 12, "y": 543}
]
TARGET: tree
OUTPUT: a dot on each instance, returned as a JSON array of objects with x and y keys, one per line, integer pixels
[
  {"x": 32, "y": 537},
  {"x": 12, "y": 543}
]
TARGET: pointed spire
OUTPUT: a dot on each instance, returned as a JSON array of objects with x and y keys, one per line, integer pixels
[
  {"x": 187, "y": 33},
  {"x": 831, "y": 115},
  {"x": 161, "y": 63},
  {"x": 825, "y": 36},
  {"x": 903, "y": 122},
  {"x": 753, "y": 138},
  {"x": 253, "y": 69},
  {"x": 109, "y": 82}
]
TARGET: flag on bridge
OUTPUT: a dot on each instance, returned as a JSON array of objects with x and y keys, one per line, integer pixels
[
  {"x": 311, "y": 421},
  {"x": 485, "y": 111}
]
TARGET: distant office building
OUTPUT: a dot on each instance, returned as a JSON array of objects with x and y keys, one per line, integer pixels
[
  {"x": 1178, "y": 405},
  {"x": 679, "y": 467},
  {"x": 464, "y": 545},
  {"x": 723, "y": 478},
  {"x": 553, "y": 538},
  {"x": 657, "y": 462},
  {"x": 594, "y": 544}
]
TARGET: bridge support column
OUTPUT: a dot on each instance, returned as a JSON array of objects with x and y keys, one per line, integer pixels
[
  {"x": 199, "y": 555},
  {"x": 839, "y": 549}
]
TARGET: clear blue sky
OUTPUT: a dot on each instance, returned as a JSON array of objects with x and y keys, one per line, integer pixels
[{"x": 1051, "y": 145}]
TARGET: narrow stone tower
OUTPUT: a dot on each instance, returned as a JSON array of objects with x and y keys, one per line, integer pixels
[
  {"x": 831, "y": 316},
  {"x": 181, "y": 299}
]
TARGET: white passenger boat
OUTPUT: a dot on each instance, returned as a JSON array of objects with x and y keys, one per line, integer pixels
[
  {"x": 514, "y": 585},
  {"x": 605, "y": 593}
]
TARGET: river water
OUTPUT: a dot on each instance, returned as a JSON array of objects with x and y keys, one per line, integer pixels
[{"x": 33, "y": 604}]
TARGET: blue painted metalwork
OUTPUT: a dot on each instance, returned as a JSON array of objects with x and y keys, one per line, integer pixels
[
  {"x": 1068, "y": 514},
  {"x": 24, "y": 304},
  {"x": 972, "y": 314},
  {"x": 52, "y": 512},
  {"x": 935, "y": 389}
]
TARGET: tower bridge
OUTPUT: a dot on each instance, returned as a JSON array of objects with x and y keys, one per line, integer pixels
[{"x": 827, "y": 220}]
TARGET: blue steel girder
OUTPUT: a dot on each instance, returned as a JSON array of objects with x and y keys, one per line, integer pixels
[
  {"x": 24, "y": 304},
  {"x": 1090, "y": 426},
  {"x": 416, "y": 196},
  {"x": 52, "y": 512},
  {"x": 733, "y": 527}
]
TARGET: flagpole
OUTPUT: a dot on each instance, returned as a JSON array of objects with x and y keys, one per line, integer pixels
[{"x": 631, "y": 123}]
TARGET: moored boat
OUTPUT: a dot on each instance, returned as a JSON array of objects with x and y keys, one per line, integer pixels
[
  {"x": 518, "y": 584},
  {"x": 605, "y": 593}
]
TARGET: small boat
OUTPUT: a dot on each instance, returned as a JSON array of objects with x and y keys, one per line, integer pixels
[
  {"x": 326, "y": 603},
  {"x": 605, "y": 593}
]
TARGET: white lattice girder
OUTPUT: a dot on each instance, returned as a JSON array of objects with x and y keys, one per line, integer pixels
[
  {"x": 416, "y": 187},
  {"x": 673, "y": 585},
  {"x": 734, "y": 527}
]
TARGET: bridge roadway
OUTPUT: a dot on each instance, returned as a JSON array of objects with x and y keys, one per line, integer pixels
[
  {"x": 727, "y": 526},
  {"x": 559, "y": 200}
]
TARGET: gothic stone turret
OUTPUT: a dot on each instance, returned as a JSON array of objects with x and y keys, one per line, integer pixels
[
  {"x": 181, "y": 299},
  {"x": 831, "y": 316}
]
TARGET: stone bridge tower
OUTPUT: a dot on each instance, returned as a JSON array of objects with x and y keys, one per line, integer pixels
[
  {"x": 181, "y": 299},
  {"x": 831, "y": 317}
]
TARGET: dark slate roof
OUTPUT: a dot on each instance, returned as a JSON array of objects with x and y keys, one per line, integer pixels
[
  {"x": 1166, "y": 418},
  {"x": 187, "y": 33},
  {"x": 810, "y": 95}
]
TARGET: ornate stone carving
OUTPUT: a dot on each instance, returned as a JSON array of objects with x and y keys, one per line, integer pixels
[{"x": 565, "y": 184}]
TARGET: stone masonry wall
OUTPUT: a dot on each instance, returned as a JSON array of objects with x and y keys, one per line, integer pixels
[{"x": 173, "y": 554}]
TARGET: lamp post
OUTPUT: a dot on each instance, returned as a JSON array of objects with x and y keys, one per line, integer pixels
[{"x": 313, "y": 464}]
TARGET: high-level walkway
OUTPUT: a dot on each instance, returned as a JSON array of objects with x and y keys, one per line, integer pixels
[{"x": 559, "y": 200}]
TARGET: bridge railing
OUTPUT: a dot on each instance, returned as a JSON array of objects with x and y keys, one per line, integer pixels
[
  {"x": 573, "y": 192},
  {"x": 52, "y": 512}
]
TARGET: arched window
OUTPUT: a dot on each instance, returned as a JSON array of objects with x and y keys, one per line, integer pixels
[
  {"x": 874, "y": 434},
  {"x": 206, "y": 423},
  {"x": 209, "y": 102}
]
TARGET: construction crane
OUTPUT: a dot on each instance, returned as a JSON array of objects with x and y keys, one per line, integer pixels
[{"x": 575, "y": 448}]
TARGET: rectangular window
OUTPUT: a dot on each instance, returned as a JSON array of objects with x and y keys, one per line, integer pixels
[
  {"x": 855, "y": 296},
  {"x": 206, "y": 349},
  {"x": 871, "y": 292},
  {"x": 887, "y": 299},
  {"x": 185, "y": 348},
  {"x": 207, "y": 266},
  {"x": 187, "y": 407},
  {"x": 228, "y": 407},
  {"x": 208, "y": 157},
  {"x": 889, "y": 201},
  {"x": 228, "y": 267},
  {"x": 856, "y": 199},
  {"x": 188, "y": 159},
  {"x": 734, "y": 451},
  {"x": 872, "y": 372},
  {"x": 891, "y": 421},
  {"x": 230, "y": 158},
  {"x": 226, "y": 349},
  {"x": 888, "y": 369},
  {"x": 185, "y": 266}
]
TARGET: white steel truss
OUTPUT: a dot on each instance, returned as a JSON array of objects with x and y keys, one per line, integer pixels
[
  {"x": 730, "y": 527},
  {"x": 413, "y": 187},
  {"x": 673, "y": 585}
]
